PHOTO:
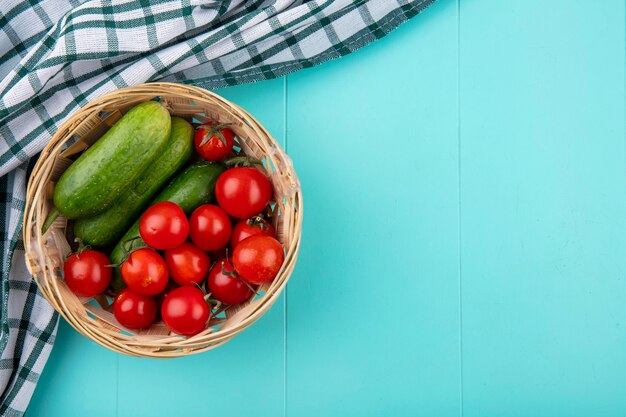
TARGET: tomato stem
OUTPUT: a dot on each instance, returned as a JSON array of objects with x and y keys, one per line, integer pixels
[
  {"x": 234, "y": 273},
  {"x": 242, "y": 161},
  {"x": 81, "y": 246},
  {"x": 219, "y": 308},
  {"x": 213, "y": 305},
  {"x": 198, "y": 286},
  {"x": 214, "y": 130},
  {"x": 126, "y": 251},
  {"x": 257, "y": 221}
]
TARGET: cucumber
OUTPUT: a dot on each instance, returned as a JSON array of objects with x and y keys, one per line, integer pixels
[
  {"x": 192, "y": 188},
  {"x": 108, "y": 168},
  {"x": 107, "y": 227}
]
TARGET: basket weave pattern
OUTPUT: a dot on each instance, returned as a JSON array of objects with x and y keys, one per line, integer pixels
[{"x": 45, "y": 255}]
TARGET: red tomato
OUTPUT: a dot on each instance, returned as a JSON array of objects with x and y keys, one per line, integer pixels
[
  {"x": 209, "y": 227},
  {"x": 253, "y": 226},
  {"x": 87, "y": 273},
  {"x": 258, "y": 258},
  {"x": 145, "y": 272},
  {"x": 134, "y": 311},
  {"x": 185, "y": 311},
  {"x": 225, "y": 285},
  {"x": 213, "y": 142},
  {"x": 188, "y": 265},
  {"x": 164, "y": 226},
  {"x": 243, "y": 192}
]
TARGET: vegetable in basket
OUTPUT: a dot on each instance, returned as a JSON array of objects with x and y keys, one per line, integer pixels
[
  {"x": 189, "y": 189},
  {"x": 185, "y": 311},
  {"x": 107, "y": 227},
  {"x": 108, "y": 168}
]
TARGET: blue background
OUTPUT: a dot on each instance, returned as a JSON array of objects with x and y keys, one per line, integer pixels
[{"x": 464, "y": 246}]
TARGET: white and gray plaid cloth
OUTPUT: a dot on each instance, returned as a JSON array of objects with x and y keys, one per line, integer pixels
[{"x": 55, "y": 56}]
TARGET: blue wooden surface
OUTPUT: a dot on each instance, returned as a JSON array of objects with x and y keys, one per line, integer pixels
[{"x": 463, "y": 248}]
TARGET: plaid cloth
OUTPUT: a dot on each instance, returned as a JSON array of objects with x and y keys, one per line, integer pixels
[{"x": 55, "y": 56}]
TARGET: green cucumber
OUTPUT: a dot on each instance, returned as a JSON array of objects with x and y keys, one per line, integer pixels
[
  {"x": 111, "y": 165},
  {"x": 192, "y": 188},
  {"x": 107, "y": 227}
]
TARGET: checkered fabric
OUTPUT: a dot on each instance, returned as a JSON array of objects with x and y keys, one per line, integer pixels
[{"x": 55, "y": 56}]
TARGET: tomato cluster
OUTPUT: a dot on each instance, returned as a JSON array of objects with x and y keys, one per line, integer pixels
[{"x": 185, "y": 260}]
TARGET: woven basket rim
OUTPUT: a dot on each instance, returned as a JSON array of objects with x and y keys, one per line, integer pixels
[{"x": 44, "y": 255}]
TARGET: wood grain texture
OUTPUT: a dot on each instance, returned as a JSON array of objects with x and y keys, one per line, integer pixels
[
  {"x": 373, "y": 306},
  {"x": 463, "y": 247},
  {"x": 543, "y": 208}
]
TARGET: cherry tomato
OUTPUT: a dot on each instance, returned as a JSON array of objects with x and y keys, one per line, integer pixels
[
  {"x": 225, "y": 285},
  {"x": 187, "y": 264},
  {"x": 145, "y": 272},
  {"x": 209, "y": 227},
  {"x": 253, "y": 226},
  {"x": 213, "y": 141},
  {"x": 185, "y": 311},
  {"x": 164, "y": 226},
  {"x": 258, "y": 258},
  {"x": 243, "y": 192},
  {"x": 134, "y": 311},
  {"x": 87, "y": 273}
]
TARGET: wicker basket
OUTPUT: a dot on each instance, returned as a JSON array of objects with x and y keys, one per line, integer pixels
[{"x": 46, "y": 254}]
